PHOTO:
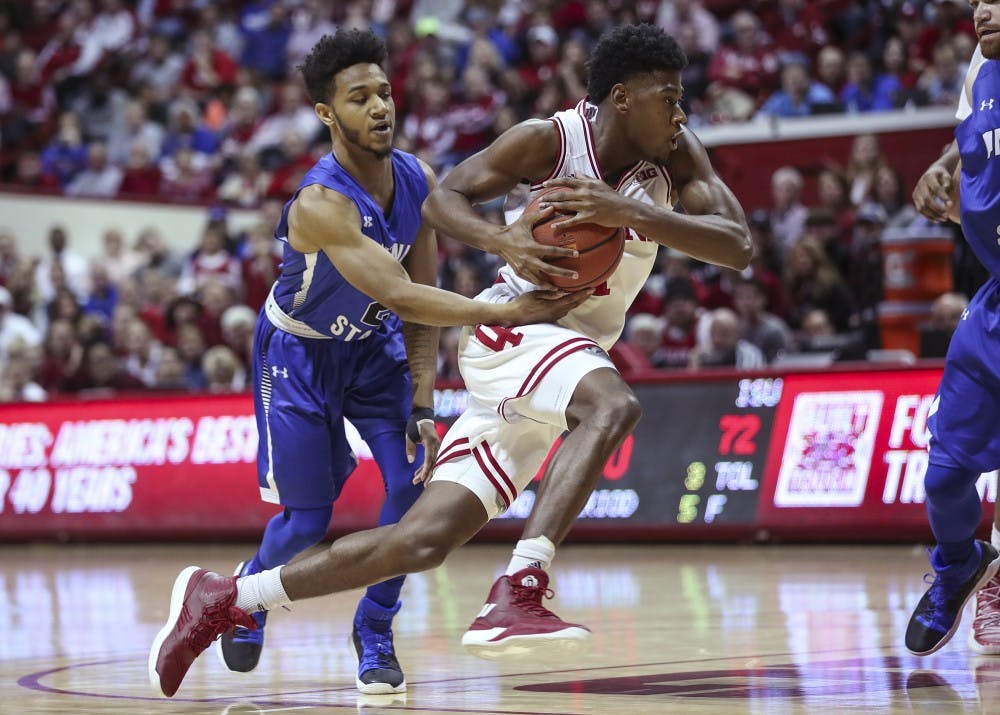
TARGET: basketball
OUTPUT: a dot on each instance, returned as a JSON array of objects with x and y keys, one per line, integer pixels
[{"x": 600, "y": 247}]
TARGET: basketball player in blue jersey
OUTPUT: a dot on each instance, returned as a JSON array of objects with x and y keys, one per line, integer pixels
[
  {"x": 637, "y": 120},
  {"x": 344, "y": 333},
  {"x": 964, "y": 440}
]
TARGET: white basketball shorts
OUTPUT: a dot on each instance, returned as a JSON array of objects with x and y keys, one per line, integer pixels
[{"x": 520, "y": 382}]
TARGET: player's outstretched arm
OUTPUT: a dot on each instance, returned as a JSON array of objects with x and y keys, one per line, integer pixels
[
  {"x": 932, "y": 195},
  {"x": 525, "y": 152},
  {"x": 323, "y": 220}
]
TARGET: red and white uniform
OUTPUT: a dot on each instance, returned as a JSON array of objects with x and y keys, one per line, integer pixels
[{"x": 522, "y": 379}]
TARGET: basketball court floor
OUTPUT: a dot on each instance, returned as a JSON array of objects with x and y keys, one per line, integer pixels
[{"x": 677, "y": 629}]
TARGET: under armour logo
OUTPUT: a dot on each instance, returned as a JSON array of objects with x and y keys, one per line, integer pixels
[
  {"x": 986, "y": 104},
  {"x": 368, "y": 221},
  {"x": 283, "y": 371}
]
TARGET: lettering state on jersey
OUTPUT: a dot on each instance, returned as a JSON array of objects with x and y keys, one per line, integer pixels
[
  {"x": 602, "y": 317},
  {"x": 978, "y": 137},
  {"x": 311, "y": 292}
]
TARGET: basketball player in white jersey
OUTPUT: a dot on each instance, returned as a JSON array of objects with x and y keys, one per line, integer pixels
[
  {"x": 623, "y": 156},
  {"x": 528, "y": 386}
]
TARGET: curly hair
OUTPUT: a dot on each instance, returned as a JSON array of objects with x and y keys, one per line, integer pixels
[
  {"x": 334, "y": 53},
  {"x": 630, "y": 50}
]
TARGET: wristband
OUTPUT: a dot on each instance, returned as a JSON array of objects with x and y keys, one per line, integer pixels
[{"x": 418, "y": 415}]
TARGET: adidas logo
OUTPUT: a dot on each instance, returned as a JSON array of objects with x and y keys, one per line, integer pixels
[{"x": 529, "y": 581}]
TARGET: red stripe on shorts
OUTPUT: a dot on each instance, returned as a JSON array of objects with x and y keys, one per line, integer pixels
[
  {"x": 492, "y": 478},
  {"x": 496, "y": 465}
]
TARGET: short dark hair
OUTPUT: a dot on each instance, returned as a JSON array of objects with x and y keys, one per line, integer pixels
[
  {"x": 334, "y": 53},
  {"x": 630, "y": 50}
]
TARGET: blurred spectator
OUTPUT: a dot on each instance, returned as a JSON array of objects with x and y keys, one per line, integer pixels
[
  {"x": 17, "y": 382},
  {"x": 102, "y": 371},
  {"x": 141, "y": 177},
  {"x": 644, "y": 335},
  {"x": 896, "y": 81},
  {"x": 816, "y": 324},
  {"x": 208, "y": 69},
  {"x": 72, "y": 267},
  {"x": 210, "y": 261},
  {"x": 799, "y": 96},
  {"x": 946, "y": 312},
  {"x": 788, "y": 216},
  {"x": 813, "y": 282},
  {"x": 98, "y": 104},
  {"x": 183, "y": 181},
  {"x": 294, "y": 114},
  {"x": 862, "y": 166},
  {"x": 309, "y": 22},
  {"x": 725, "y": 347},
  {"x": 222, "y": 369},
  {"x": 796, "y": 25},
  {"x": 62, "y": 358},
  {"x": 767, "y": 331},
  {"x": 216, "y": 299},
  {"x": 118, "y": 260},
  {"x": 66, "y": 155},
  {"x": 191, "y": 348},
  {"x": 237, "y": 325},
  {"x": 142, "y": 354},
  {"x": 428, "y": 126},
  {"x": 831, "y": 69},
  {"x": 32, "y": 104},
  {"x": 832, "y": 192},
  {"x": 743, "y": 71},
  {"x": 471, "y": 117},
  {"x": 676, "y": 16},
  {"x": 10, "y": 256},
  {"x": 888, "y": 193},
  {"x": 159, "y": 68},
  {"x": 944, "y": 80},
  {"x": 261, "y": 267},
  {"x": 103, "y": 294},
  {"x": 170, "y": 371},
  {"x": 951, "y": 18},
  {"x": 248, "y": 184},
  {"x": 14, "y": 328},
  {"x": 100, "y": 178},
  {"x": 185, "y": 131},
  {"x": 542, "y": 62},
  {"x": 266, "y": 30},
  {"x": 133, "y": 126},
  {"x": 680, "y": 308},
  {"x": 861, "y": 93},
  {"x": 155, "y": 253},
  {"x": 865, "y": 273}
]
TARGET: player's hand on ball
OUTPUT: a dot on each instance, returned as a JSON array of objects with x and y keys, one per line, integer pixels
[
  {"x": 544, "y": 306},
  {"x": 933, "y": 195},
  {"x": 526, "y": 256},
  {"x": 589, "y": 200}
]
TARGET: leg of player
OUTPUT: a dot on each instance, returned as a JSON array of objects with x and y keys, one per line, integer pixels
[
  {"x": 962, "y": 564},
  {"x": 602, "y": 412},
  {"x": 371, "y": 641},
  {"x": 287, "y": 535},
  {"x": 204, "y": 604},
  {"x": 984, "y": 636}
]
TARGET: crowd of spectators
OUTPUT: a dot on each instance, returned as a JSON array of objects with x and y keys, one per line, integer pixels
[{"x": 194, "y": 101}]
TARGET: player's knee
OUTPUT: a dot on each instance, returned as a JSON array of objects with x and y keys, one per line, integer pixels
[
  {"x": 944, "y": 485},
  {"x": 620, "y": 414},
  {"x": 421, "y": 548},
  {"x": 307, "y": 527}
]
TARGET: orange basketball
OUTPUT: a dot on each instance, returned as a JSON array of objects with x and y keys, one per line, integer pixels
[{"x": 600, "y": 247}]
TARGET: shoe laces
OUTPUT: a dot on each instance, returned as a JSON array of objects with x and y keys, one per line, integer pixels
[
  {"x": 987, "y": 621},
  {"x": 529, "y": 598},
  {"x": 213, "y": 623},
  {"x": 383, "y": 651}
]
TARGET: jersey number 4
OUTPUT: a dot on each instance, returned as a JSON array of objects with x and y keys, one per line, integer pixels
[{"x": 496, "y": 337}]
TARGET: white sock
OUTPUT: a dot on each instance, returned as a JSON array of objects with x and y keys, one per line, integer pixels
[
  {"x": 537, "y": 553},
  {"x": 261, "y": 591},
  {"x": 995, "y": 538}
]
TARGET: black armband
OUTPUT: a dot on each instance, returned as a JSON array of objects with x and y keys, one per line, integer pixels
[{"x": 418, "y": 415}]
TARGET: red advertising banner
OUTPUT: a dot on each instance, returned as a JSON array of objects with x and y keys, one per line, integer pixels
[
  {"x": 168, "y": 466},
  {"x": 849, "y": 451}
]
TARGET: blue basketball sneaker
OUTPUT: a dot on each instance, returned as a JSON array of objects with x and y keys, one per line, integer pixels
[
  {"x": 937, "y": 615},
  {"x": 239, "y": 648},
  {"x": 378, "y": 670}
]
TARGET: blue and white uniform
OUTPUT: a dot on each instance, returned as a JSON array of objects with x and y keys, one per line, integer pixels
[{"x": 324, "y": 351}]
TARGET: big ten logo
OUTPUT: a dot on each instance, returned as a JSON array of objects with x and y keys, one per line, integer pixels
[{"x": 614, "y": 469}]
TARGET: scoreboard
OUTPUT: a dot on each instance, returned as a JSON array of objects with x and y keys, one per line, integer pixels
[{"x": 835, "y": 455}]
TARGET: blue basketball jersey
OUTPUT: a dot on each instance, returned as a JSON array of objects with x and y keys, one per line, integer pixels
[
  {"x": 311, "y": 291},
  {"x": 978, "y": 137}
]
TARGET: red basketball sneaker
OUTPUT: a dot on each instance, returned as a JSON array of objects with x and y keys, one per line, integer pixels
[
  {"x": 984, "y": 636},
  {"x": 514, "y": 622},
  {"x": 201, "y": 609}
]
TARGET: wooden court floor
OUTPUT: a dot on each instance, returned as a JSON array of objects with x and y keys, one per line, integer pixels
[{"x": 703, "y": 629}]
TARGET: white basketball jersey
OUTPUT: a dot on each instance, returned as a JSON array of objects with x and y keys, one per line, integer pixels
[{"x": 602, "y": 316}]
